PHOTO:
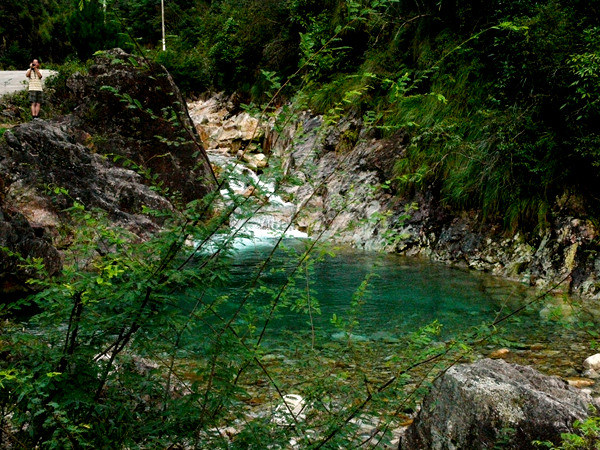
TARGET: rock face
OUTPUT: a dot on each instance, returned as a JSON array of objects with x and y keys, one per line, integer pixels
[
  {"x": 43, "y": 154},
  {"x": 564, "y": 256},
  {"x": 17, "y": 235},
  {"x": 218, "y": 128},
  {"x": 345, "y": 182},
  {"x": 340, "y": 173},
  {"x": 130, "y": 115},
  {"x": 222, "y": 131},
  {"x": 132, "y": 108},
  {"x": 491, "y": 402}
]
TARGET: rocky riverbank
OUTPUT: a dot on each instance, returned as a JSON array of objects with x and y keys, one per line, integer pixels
[
  {"x": 96, "y": 157},
  {"x": 338, "y": 176},
  {"x": 344, "y": 187},
  {"x": 343, "y": 180}
]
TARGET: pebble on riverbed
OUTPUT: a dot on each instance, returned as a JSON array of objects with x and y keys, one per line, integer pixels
[
  {"x": 500, "y": 353},
  {"x": 291, "y": 410},
  {"x": 579, "y": 382},
  {"x": 592, "y": 363},
  {"x": 537, "y": 347}
]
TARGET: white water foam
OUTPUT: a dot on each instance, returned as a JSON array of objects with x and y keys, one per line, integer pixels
[{"x": 272, "y": 221}]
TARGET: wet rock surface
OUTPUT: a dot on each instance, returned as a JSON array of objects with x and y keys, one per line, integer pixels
[
  {"x": 562, "y": 258},
  {"x": 345, "y": 179},
  {"x": 489, "y": 402}
]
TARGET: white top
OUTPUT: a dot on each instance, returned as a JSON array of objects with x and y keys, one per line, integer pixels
[{"x": 35, "y": 82}]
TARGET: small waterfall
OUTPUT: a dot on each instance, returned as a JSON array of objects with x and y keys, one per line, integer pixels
[
  {"x": 221, "y": 136},
  {"x": 272, "y": 219}
]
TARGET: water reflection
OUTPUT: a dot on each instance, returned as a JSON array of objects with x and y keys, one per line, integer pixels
[{"x": 403, "y": 293}]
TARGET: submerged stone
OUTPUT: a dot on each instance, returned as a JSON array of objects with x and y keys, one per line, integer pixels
[
  {"x": 579, "y": 382},
  {"x": 343, "y": 336},
  {"x": 500, "y": 353}
]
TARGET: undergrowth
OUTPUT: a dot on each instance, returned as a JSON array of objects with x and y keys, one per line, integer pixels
[{"x": 135, "y": 346}]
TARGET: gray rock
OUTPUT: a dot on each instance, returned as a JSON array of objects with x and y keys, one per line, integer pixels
[
  {"x": 592, "y": 362},
  {"x": 42, "y": 153},
  {"x": 131, "y": 107},
  {"x": 127, "y": 107},
  {"x": 345, "y": 170},
  {"x": 480, "y": 405},
  {"x": 19, "y": 238}
]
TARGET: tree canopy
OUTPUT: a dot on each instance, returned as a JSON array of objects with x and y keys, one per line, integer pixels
[{"x": 512, "y": 85}]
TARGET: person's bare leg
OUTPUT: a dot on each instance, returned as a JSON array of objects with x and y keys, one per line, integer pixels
[
  {"x": 33, "y": 110},
  {"x": 36, "y": 108}
]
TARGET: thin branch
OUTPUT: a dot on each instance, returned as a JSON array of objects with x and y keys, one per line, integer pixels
[{"x": 436, "y": 357}]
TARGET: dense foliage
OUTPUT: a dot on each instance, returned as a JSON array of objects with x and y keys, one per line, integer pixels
[
  {"x": 501, "y": 97},
  {"x": 501, "y": 101},
  {"x": 137, "y": 345}
]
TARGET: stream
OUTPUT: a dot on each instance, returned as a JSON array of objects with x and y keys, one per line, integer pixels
[
  {"x": 369, "y": 306},
  {"x": 377, "y": 337},
  {"x": 403, "y": 295}
]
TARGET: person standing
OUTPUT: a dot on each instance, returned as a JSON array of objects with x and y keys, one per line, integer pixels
[{"x": 36, "y": 95}]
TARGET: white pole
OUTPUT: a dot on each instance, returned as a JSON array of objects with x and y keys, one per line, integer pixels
[{"x": 162, "y": 10}]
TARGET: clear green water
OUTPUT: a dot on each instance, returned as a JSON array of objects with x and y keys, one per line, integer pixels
[{"x": 403, "y": 295}]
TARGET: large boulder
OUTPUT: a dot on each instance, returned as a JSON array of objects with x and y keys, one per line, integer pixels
[
  {"x": 41, "y": 156},
  {"x": 491, "y": 402},
  {"x": 129, "y": 133},
  {"x": 131, "y": 107}
]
